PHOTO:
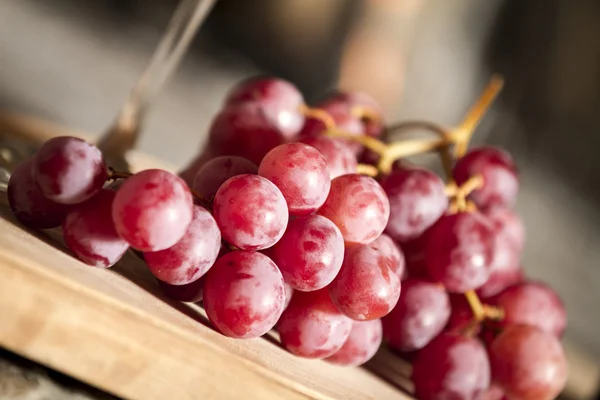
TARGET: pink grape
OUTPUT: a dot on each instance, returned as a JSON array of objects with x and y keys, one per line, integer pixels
[
  {"x": 289, "y": 292},
  {"x": 188, "y": 173},
  {"x": 459, "y": 251},
  {"x": 152, "y": 210},
  {"x": 528, "y": 363},
  {"x": 351, "y": 101},
  {"x": 461, "y": 317},
  {"x": 301, "y": 173},
  {"x": 344, "y": 122},
  {"x": 507, "y": 223},
  {"x": 417, "y": 200},
  {"x": 192, "y": 256},
  {"x": 361, "y": 345},
  {"x": 358, "y": 206},
  {"x": 499, "y": 280},
  {"x": 244, "y": 130},
  {"x": 420, "y": 315},
  {"x": 340, "y": 159},
  {"x": 29, "y": 204},
  {"x": 310, "y": 253},
  {"x": 215, "y": 172},
  {"x": 244, "y": 294},
  {"x": 451, "y": 367},
  {"x": 69, "y": 170},
  {"x": 251, "y": 212},
  {"x": 280, "y": 101},
  {"x": 365, "y": 288},
  {"x": 392, "y": 253},
  {"x": 188, "y": 293},
  {"x": 90, "y": 233},
  {"x": 312, "y": 327},
  {"x": 499, "y": 173},
  {"x": 494, "y": 392},
  {"x": 535, "y": 304}
]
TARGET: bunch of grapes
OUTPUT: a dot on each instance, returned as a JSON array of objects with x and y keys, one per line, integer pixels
[{"x": 272, "y": 227}]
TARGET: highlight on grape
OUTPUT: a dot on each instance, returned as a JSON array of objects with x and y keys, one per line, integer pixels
[{"x": 301, "y": 219}]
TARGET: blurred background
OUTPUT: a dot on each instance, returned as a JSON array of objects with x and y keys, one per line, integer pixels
[{"x": 74, "y": 62}]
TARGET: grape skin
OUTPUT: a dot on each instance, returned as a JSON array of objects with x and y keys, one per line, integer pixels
[
  {"x": 312, "y": 327},
  {"x": 244, "y": 294},
  {"x": 535, "y": 304},
  {"x": 528, "y": 363},
  {"x": 391, "y": 252},
  {"x": 451, "y": 367},
  {"x": 361, "y": 345},
  {"x": 499, "y": 173},
  {"x": 280, "y": 101},
  {"x": 90, "y": 233},
  {"x": 251, "y": 212},
  {"x": 358, "y": 206},
  {"x": 69, "y": 170},
  {"x": 244, "y": 130},
  {"x": 365, "y": 288},
  {"x": 152, "y": 210},
  {"x": 215, "y": 172},
  {"x": 28, "y": 203},
  {"x": 417, "y": 200},
  {"x": 340, "y": 159},
  {"x": 301, "y": 173},
  {"x": 459, "y": 251},
  {"x": 192, "y": 256},
  {"x": 310, "y": 253},
  {"x": 420, "y": 315}
]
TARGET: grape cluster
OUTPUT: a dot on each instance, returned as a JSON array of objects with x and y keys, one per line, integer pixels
[{"x": 272, "y": 227}]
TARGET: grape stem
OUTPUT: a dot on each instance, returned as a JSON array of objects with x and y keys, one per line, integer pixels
[
  {"x": 201, "y": 199},
  {"x": 475, "y": 304},
  {"x": 114, "y": 174},
  {"x": 460, "y": 194},
  {"x": 367, "y": 169},
  {"x": 319, "y": 114},
  {"x": 365, "y": 113}
]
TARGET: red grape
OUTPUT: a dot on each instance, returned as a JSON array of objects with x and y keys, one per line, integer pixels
[
  {"x": 461, "y": 317},
  {"x": 528, "y": 363},
  {"x": 344, "y": 122},
  {"x": 533, "y": 304},
  {"x": 415, "y": 257},
  {"x": 417, "y": 200},
  {"x": 350, "y": 101},
  {"x": 189, "y": 172},
  {"x": 339, "y": 157},
  {"x": 420, "y": 315},
  {"x": 215, "y": 172},
  {"x": 300, "y": 172},
  {"x": 459, "y": 251},
  {"x": 244, "y": 294},
  {"x": 358, "y": 206},
  {"x": 494, "y": 392},
  {"x": 69, "y": 170},
  {"x": 90, "y": 233},
  {"x": 251, "y": 212},
  {"x": 499, "y": 280},
  {"x": 310, "y": 253},
  {"x": 392, "y": 253},
  {"x": 361, "y": 345},
  {"x": 289, "y": 292},
  {"x": 451, "y": 367},
  {"x": 499, "y": 173},
  {"x": 152, "y": 210},
  {"x": 279, "y": 100},
  {"x": 188, "y": 293},
  {"x": 312, "y": 327},
  {"x": 29, "y": 204},
  {"x": 192, "y": 255},
  {"x": 365, "y": 288},
  {"x": 507, "y": 223},
  {"x": 244, "y": 130}
]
